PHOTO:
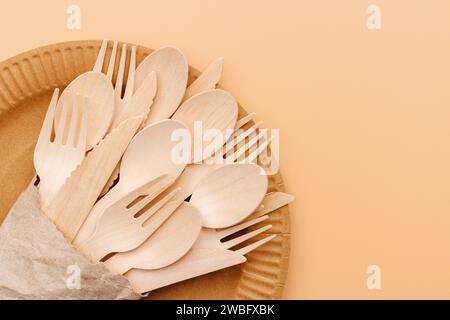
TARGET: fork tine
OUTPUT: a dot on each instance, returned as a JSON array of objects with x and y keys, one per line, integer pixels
[
  {"x": 129, "y": 90},
  {"x": 256, "y": 153},
  {"x": 151, "y": 211},
  {"x": 59, "y": 134},
  {"x": 252, "y": 141},
  {"x": 73, "y": 121},
  {"x": 100, "y": 57},
  {"x": 151, "y": 193},
  {"x": 241, "y": 151},
  {"x": 243, "y": 147},
  {"x": 233, "y": 242},
  {"x": 45, "y": 135},
  {"x": 229, "y": 231},
  {"x": 125, "y": 201},
  {"x": 120, "y": 73},
  {"x": 230, "y": 144},
  {"x": 235, "y": 140},
  {"x": 234, "y": 156},
  {"x": 243, "y": 121},
  {"x": 243, "y": 251},
  {"x": 112, "y": 61},
  {"x": 82, "y": 138}
]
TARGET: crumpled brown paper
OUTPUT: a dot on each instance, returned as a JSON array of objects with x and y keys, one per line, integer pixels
[{"x": 37, "y": 262}]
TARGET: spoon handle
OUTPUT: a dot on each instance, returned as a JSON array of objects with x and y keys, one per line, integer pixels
[{"x": 189, "y": 179}]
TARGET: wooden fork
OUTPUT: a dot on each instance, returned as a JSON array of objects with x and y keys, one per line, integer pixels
[
  {"x": 213, "y": 239},
  {"x": 135, "y": 101},
  {"x": 207, "y": 255},
  {"x": 55, "y": 160},
  {"x": 247, "y": 152},
  {"x": 120, "y": 101},
  {"x": 129, "y": 222}
]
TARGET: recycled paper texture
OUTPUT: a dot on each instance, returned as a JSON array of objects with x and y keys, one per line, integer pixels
[{"x": 37, "y": 262}]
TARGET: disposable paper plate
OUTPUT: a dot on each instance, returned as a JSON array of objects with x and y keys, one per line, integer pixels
[{"x": 26, "y": 84}]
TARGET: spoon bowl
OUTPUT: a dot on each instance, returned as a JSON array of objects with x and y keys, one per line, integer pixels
[
  {"x": 216, "y": 111},
  {"x": 229, "y": 194},
  {"x": 150, "y": 155},
  {"x": 171, "y": 69}
]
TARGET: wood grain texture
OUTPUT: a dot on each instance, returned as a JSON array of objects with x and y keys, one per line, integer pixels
[
  {"x": 229, "y": 194},
  {"x": 147, "y": 157},
  {"x": 120, "y": 230},
  {"x": 167, "y": 245},
  {"x": 73, "y": 202},
  {"x": 171, "y": 69},
  {"x": 99, "y": 90},
  {"x": 214, "y": 110},
  {"x": 207, "y": 80},
  {"x": 23, "y": 104}
]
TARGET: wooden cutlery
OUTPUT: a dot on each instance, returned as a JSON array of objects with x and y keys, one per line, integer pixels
[
  {"x": 181, "y": 231},
  {"x": 148, "y": 226},
  {"x": 140, "y": 102},
  {"x": 229, "y": 194},
  {"x": 148, "y": 156},
  {"x": 99, "y": 90},
  {"x": 271, "y": 202},
  {"x": 168, "y": 244},
  {"x": 128, "y": 222},
  {"x": 134, "y": 101},
  {"x": 73, "y": 202},
  {"x": 120, "y": 102},
  {"x": 171, "y": 69},
  {"x": 207, "y": 80},
  {"x": 216, "y": 111},
  {"x": 194, "y": 173},
  {"x": 214, "y": 239},
  {"x": 55, "y": 160},
  {"x": 207, "y": 255}
]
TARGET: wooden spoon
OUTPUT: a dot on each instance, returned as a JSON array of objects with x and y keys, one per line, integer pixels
[
  {"x": 168, "y": 244},
  {"x": 148, "y": 156},
  {"x": 171, "y": 69},
  {"x": 99, "y": 90},
  {"x": 229, "y": 194},
  {"x": 214, "y": 110}
]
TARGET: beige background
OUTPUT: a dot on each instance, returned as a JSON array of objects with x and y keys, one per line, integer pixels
[{"x": 364, "y": 118}]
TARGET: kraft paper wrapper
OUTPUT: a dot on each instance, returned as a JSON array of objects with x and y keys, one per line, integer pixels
[
  {"x": 36, "y": 260},
  {"x": 29, "y": 80}
]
